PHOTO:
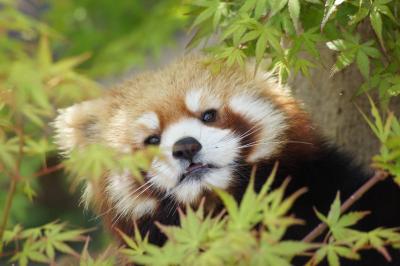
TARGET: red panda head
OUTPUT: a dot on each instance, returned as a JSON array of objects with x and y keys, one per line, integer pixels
[{"x": 206, "y": 125}]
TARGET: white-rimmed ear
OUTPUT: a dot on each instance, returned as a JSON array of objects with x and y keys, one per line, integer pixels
[{"x": 78, "y": 124}]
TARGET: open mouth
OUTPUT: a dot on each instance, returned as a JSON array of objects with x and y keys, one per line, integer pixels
[{"x": 196, "y": 170}]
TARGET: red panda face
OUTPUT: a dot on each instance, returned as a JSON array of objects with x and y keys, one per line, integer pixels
[
  {"x": 207, "y": 127},
  {"x": 205, "y": 145}
]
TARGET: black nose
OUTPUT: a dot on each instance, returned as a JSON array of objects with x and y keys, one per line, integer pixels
[{"x": 186, "y": 148}]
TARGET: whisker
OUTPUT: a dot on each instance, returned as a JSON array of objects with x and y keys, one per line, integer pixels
[
  {"x": 112, "y": 207},
  {"x": 173, "y": 207},
  {"x": 278, "y": 142},
  {"x": 137, "y": 196}
]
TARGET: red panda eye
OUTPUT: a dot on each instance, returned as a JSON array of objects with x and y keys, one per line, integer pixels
[
  {"x": 209, "y": 116},
  {"x": 152, "y": 140}
]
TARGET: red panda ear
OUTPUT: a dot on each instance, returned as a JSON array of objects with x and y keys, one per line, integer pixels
[{"x": 79, "y": 124}]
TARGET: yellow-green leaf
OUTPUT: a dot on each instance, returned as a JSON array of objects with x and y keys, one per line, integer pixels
[
  {"x": 362, "y": 62},
  {"x": 294, "y": 11},
  {"x": 376, "y": 22}
]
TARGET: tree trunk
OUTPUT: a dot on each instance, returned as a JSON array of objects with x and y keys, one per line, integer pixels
[{"x": 332, "y": 105}]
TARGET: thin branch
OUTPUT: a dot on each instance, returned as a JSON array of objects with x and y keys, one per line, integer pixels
[
  {"x": 377, "y": 177},
  {"x": 7, "y": 208},
  {"x": 49, "y": 170},
  {"x": 14, "y": 180}
]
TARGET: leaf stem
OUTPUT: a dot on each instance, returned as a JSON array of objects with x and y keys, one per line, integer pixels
[
  {"x": 49, "y": 170},
  {"x": 4, "y": 219},
  {"x": 377, "y": 177}
]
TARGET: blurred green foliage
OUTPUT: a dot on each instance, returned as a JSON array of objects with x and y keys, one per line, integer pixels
[
  {"x": 118, "y": 35},
  {"x": 90, "y": 163},
  {"x": 388, "y": 133}
]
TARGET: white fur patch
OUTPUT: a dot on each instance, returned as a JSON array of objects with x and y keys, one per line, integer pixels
[
  {"x": 163, "y": 172},
  {"x": 65, "y": 132},
  {"x": 220, "y": 147},
  {"x": 87, "y": 195},
  {"x": 220, "y": 178},
  {"x": 151, "y": 124},
  {"x": 74, "y": 126},
  {"x": 149, "y": 120},
  {"x": 192, "y": 100},
  {"x": 125, "y": 196},
  {"x": 191, "y": 190},
  {"x": 271, "y": 120},
  {"x": 188, "y": 191},
  {"x": 201, "y": 100}
]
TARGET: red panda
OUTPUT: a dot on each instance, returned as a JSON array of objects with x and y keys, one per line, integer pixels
[{"x": 211, "y": 129}]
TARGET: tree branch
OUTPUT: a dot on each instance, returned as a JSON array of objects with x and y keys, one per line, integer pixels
[
  {"x": 14, "y": 180},
  {"x": 377, "y": 177},
  {"x": 49, "y": 170}
]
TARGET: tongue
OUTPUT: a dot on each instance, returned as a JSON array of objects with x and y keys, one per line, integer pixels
[{"x": 194, "y": 166}]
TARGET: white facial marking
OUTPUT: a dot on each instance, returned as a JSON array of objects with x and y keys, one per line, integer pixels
[
  {"x": 151, "y": 124},
  {"x": 149, "y": 120},
  {"x": 120, "y": 187},
  {"x": 220, "y": 178},
  {"x": 220, "y": 148},
  {"x": 200, "y": 100},
  {"x": 192, "y": 100},
  {"x": 163, "y": 171},
  {"x": 189, "y": 191},
  {"x": 271, "y": 120},
  {"x": 65, "y": 133}
]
